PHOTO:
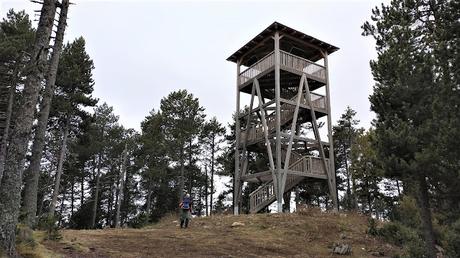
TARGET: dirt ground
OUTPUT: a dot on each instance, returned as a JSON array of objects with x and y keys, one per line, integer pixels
[{"x": 304, "y": 234}]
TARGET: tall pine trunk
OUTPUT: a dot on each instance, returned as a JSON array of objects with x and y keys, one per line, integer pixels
[
  {"x": 96, "y": 192},
  {"x": 61, "y": 210},
  {"x": 206, "y": 190},
  {"x": 181, "y": 180},
  {"x": 121, "y": 186},
  {"x": 190, "y": 177},
  {"x": 6, "y": 130},
  {"x": 148, "y": 201},
  {"x": 32, "y": 174},
  {"x": 82, "y": 188},
  {"x": 212, "y": 175},
  {"x": 425, "y": 214},
  {"x": 72, "y": 196},
  {"x": 10, "y": 186},
  {"x": 61, "y": 160}
]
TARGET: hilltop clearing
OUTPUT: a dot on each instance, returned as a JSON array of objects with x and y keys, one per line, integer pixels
[{"x": 304, "y": 234}]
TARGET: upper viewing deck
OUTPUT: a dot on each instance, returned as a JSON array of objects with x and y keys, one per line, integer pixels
[
  {"x": 288, "y": 62},
  {"x": 299, "y": 54}
]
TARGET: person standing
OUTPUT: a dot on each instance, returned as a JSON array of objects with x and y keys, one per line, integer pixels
[{"x": 185, "y": 211}]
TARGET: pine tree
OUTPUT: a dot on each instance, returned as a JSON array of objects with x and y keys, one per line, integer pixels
[
  {"x": 344, "y": 135},
  {"x": 367, "y": 174},
  {"x": 32, "y": 173},
  {"x": 413, "y": 73},
  {"x": 14, "y": 163},
  {"x": 16, "y": 40},
  {"x": 105, "y": 121},
  {"x": 183, "y": 117},
  {"x": 159, "y": 180},
  {"x": 74, "y": 86},
  {"x": 213, "y": 133}
]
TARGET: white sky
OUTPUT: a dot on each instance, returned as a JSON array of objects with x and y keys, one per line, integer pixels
[{"x": 143, "y": 50}]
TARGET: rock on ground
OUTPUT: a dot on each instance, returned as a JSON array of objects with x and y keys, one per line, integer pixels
[{"x": 342, "y": 249}]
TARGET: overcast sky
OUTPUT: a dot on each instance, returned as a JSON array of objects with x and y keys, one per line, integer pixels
[{"x": 143, "y": 50}]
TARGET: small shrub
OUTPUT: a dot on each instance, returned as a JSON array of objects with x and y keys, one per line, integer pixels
[
  {"x": 453, "y": 240},
  {"x": 372, "y": 227},
  {"x": 405, "y": 237},
  {"x": 407, "y": 212},
  {"x": 140, "y": 220},
  {"x": 49, "y": 224}
]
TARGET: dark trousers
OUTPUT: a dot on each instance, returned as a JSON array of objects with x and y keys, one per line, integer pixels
[{"x": 184, "y": 217}]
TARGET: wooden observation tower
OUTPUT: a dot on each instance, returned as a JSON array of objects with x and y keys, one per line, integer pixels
[{"x": 280, "y": 73}]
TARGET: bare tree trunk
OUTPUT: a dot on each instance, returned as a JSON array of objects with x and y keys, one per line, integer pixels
[
  {"x": 190, "y": 183},
  {"x": 206, "y": 190},
  {"x": 96, "y": 192},
  {"x": 287, "y": 201},
  {"x": 181, "y": 180},
  {"x": 297, "y": 198},
  {"x": 61, "y": 160},
  {"x": 212, "y": 174},
  {"x": 61, "y": 210},
  {"x": 4, "y": 142},
  {"x": 349, "y": 198},
  {"x": 148, "y": 201},
  {"x": 110, "y": 202},
  {"x": 121, "y": 186},
  {"x": 32, "y": 174},
  {"x": 72, "y": 197},
  {"x": 425, "y": 214},
  {"x": 82, "y": 186},
  {"x": 10, "y": 186},
  {"x": 398, "y": 188}
]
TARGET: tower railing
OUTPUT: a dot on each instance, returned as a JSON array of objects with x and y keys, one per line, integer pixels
[
  {"x": 265, "y": 194},
  {"x": 260, "y": 66},
  {"x": 287, "y": 113},
  {"x": 302, "y": 65},
  {"x": 286, "y": 59}
]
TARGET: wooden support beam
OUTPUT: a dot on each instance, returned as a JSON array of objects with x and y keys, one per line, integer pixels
[
  {"x": 257, "y": 175},
  {"x": 265, "y": 105},
  {"x": 279, "y": 194},
  {"x": 291, "y": 136},
  {"x": 255, "y": 47},
  {"x": 332, "y": 176},
  {"x": 302, "y": 42},
  {"x": 264, "y": 125},
  {"x": 304, "y": 139},
  {"x": 245, "y": 140},
  {"x": 318, "y": 137},
  {"x": 305, "y": 174},
  {"x": 237, "y": 179}
]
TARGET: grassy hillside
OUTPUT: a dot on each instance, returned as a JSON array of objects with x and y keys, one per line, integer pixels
[{"x": 305, "y": 234}]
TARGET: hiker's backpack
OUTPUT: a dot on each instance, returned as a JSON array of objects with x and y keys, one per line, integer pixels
[{"x": 186, "y": 203}]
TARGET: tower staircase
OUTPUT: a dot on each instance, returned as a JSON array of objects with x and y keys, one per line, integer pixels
[{"x": 301, "y": 165}]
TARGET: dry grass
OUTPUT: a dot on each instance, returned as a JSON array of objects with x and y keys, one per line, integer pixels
[
  {"x": 309, "y": 233},
  {"x": 35, "y": 249}
]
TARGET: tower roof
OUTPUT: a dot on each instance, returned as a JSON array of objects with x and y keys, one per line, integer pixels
[{"x": 276, "y": 26}]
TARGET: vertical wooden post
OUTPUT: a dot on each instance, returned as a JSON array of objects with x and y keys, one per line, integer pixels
[
  {"x": 237, "y": 179},
  {"x": 279, "y": 194},
  {"x": 245, "y": 152},
  {"x": 332, "y": 175}
]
